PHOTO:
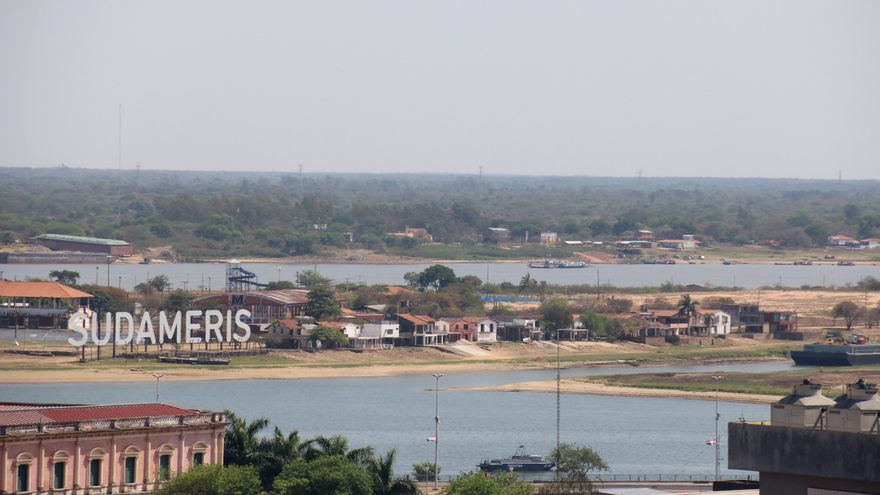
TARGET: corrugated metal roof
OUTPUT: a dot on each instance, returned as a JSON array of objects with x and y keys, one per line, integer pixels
[
  {"x": 79, "y": 238},
  {"x": 40, "y": 289}
]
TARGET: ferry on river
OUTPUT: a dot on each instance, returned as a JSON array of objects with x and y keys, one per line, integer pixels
[
  {"x": 550, "y": 263},
  {"x": 519, "y": 462}
]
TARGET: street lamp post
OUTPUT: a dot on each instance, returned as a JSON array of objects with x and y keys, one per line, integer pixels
[
  {"x": 717, "y": 379},
  {"x": 437, "y": 429},
  {"x": 109, "y": 259},
  {"x": 157, "y": 376}
]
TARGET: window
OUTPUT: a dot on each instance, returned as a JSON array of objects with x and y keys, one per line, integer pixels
[
  {"x": 130, "y": 466},
  {"x": 164, "y": 467},
  {"x": 95, "y": 472},
  {"x": 59, "y": 472},
  {"x": 198, "y": 459},
  {"x": 23, "y": 477}
]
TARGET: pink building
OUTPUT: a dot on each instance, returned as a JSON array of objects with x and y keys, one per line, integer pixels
[{"x": 95, "y": 450}]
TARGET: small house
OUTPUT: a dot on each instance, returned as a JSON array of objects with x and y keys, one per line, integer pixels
[{"x": 842, "y": 241}]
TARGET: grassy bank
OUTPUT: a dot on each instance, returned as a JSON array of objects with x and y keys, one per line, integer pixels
[{"x": 771, "y": 383}]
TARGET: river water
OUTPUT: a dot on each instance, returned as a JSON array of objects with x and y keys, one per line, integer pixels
[
  {"x": 634, "y": 435},
  {"x": 196, "y": 276}
]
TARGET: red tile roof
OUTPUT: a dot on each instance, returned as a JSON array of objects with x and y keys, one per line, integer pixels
[
  {"x": 9, "y": 288},
  {"x": 417, "y": 319},
  {"x": 74, "y": 414}
]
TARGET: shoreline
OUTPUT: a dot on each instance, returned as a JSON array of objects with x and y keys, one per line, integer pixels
[
  {"x": 180, "y": 373},
  {"x": 574, "y": 387}
]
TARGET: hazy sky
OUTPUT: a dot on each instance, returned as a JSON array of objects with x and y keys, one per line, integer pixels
[{"x": 692, "y": 88}]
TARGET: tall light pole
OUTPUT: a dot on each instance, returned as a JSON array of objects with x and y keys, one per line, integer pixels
[
  {"x": 437, "y": 429},
  {"x": 717, "y": 379},
  {"x": 109, "y": 259},
  {"x": 157, "y": 376}
]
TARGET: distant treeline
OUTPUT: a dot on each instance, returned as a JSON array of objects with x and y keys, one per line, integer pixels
[{"x": 283, "y": 214}]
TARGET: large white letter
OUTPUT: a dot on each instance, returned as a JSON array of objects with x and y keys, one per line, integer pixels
[
  {"x": 242, "y": 325},
  {"x": 191, "y": 325},
  {"x": 75, "y": 323},
  {"x": 107, "y": 333},
  {"x": 214, "y": 323},
  {"x": 173, "y": 331},
  {"x": 146, "y": 331},
  {"x": 118, "y": 328}
]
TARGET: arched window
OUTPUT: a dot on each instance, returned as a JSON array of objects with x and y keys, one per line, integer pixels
[
  {"x": 164, "y": 453},
  {"x": 59, "y": 470},
  {"x": 96, "y": 463},
  {"x": 199, "y": 450},
  {"x": 129, "y": 466},
  {"x": 23, "y": 471}
]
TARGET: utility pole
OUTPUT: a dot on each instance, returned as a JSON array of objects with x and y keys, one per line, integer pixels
[
  {"x": 157, "y": 376},
  {"x": 437, "y": 377},
  {"x": 558, "y": 412},
  {"x": 717, "y": 379}
]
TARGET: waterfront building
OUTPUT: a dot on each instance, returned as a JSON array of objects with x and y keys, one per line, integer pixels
[
  {"x": 59, "y": 242},
  {"x": 813, "y": 445},
  {"x": 421, "y": 330},
  {"x": 64, "y": 449},
  {"x": 39, "y": 304},
  {"x": 473, "y": 329}
]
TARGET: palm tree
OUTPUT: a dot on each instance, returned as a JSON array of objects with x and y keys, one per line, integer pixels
[
  {"x": 688, "y": 307},
  {"x": 382, "y": 470},
  {"x": 242, "y": 446}
]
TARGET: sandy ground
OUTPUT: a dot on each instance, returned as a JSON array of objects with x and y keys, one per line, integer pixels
[{"x": 579, "y": 387}]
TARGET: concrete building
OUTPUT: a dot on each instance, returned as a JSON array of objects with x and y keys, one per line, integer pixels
[
  {"x": 813, "y": 446},
  {"x": 421, "y": 330},
  {"x": 39, "y": 304},
  {"x": 59, "y": 242},
  {"x": 62, "y": 449}
]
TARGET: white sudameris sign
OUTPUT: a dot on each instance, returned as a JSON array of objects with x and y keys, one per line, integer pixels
[{"x": 178, "y": 328}]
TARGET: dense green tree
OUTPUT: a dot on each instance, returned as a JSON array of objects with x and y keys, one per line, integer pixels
[
  {"x": 329, "y": 337},
  {"x": 311, "y": 279},
  {"x": 574, "y": 464},
  {"x": 556, "y": 314},
  {"x": 381, "y": 468},
  {"x": 214, "y": 479},
  {"x": 436, "y": 277},
  {"x": 178, "y": 300},
  {"x": 480, "y": 484},
  {"x": 324, "y": 475},
  {"x": 322, "y": 303},
  {"x": 280, "y": 285},
  {"x": 66, "y": 277}
]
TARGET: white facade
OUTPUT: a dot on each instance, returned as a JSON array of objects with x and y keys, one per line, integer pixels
[
  {"x": 720, "y": 324},
  {"x": 383, "y": 330},
  {"x": 487, "y": 331}
]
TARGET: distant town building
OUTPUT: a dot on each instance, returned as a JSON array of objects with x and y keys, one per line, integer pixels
[
  {"x": 86, "y": 449},
  {"x": 813, "y": 445},
  {"x": 686, "y": 242},
  {"x": 870, "y": 243},
  {"x": 420, "y": 234},
  {"x": 497, "y": 234},
  {"x": 59, "y": 242},
  {"x": 549, "y": 238},
  {"x": 644, "y": 235},
  {"x": 842, "y": 241},
  {"x": 39, "y": 304}
]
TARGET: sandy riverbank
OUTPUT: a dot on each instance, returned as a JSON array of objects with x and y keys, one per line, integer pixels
[
  {"x": 285, "y": 365},
  {"x": 569, "y": 386}
]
